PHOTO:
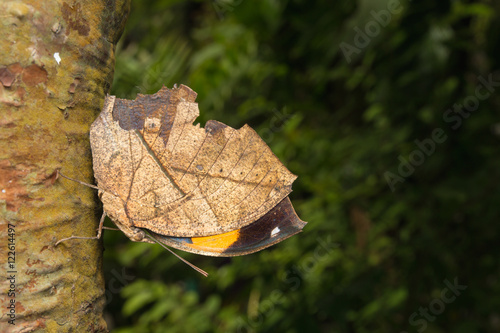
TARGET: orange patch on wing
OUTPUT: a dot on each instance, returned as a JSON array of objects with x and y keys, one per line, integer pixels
[{"x": 222, "y": 241}]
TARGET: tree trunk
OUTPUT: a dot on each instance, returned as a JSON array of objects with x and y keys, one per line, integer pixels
[{"x": 56, "y": 66}]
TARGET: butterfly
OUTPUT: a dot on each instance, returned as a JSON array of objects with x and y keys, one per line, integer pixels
[{"x": 215, "y": 191}]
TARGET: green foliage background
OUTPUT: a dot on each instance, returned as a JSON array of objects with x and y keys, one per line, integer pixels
[{"x": 370, "y": 257}]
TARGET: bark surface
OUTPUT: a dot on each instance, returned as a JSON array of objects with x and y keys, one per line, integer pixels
[{"x": 56, "y": 66}]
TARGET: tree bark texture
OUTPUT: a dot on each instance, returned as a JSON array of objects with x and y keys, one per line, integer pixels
[{"x": 56, "y": 66}]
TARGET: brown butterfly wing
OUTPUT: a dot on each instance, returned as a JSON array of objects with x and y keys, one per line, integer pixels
[{"x": 160, "y": 172}]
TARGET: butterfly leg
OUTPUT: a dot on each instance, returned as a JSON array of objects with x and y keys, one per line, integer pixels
[{"x": 99, "y": 232}]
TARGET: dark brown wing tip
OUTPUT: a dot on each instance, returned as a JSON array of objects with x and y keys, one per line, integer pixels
[{"x": 278, "y": 224}]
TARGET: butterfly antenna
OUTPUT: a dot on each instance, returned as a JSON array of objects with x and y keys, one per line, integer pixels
[
  {"x": 199, "y": 270},
  {"x": 78, "y": 181}
]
